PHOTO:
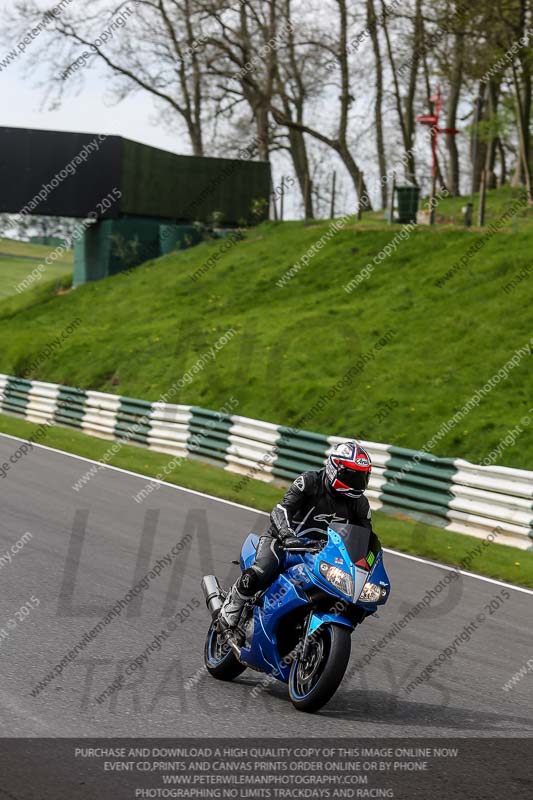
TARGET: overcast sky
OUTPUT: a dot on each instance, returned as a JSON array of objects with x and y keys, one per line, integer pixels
[{"x": 21, "y": 104}]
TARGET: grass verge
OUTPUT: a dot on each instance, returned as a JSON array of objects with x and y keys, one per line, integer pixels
[
  {"x": 24, "y": 265},
  {"x": 415, "y": 351},
  {"x": 495, "y": 561}
]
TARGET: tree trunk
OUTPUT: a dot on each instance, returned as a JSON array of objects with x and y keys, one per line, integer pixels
[
  {"x": 195, "y": 136},
  {"x": 409, "y": 115},
  {"x": 479, "y": 147},
  {"x": 294, "y": 106},
  {"x": 453, "y": 182},
  {"x": 503, "y": 163},
  {"x": 523, "y": 136},
  {"x": 356, "y": 175},
  {"x": 378, "y": 106},
  {"x": 523, "y": 97},
  {"x": 300, "y": 163},
  {"x": 490, "y": 156},
  {"x": 526, "y": 116},
  {"x": 263, "y": 136},
  {"x": 405, "y": 109}
]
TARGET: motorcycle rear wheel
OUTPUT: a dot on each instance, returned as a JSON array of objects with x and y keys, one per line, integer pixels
[
  {"x": 314, "y": 682},
  {"x": 219, "y": 658}
]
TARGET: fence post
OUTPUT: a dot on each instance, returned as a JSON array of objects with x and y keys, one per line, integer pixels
[
  {"x": 482, "y": 198},
  {"x": 359, "y": 198},
  {"x": 393, "y": 192},
  {"x": 333, "y": 187}
]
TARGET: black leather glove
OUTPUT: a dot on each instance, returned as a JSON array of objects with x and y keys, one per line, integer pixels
[
  {"x": 291, "y": 541},
  {"x": 281, "y": 528}
]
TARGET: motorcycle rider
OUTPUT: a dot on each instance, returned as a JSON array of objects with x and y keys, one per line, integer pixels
[{"x": 315, "y": 499}]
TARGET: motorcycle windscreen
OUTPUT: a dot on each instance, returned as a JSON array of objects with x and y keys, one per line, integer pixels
[{"x": 359, "y": 541}]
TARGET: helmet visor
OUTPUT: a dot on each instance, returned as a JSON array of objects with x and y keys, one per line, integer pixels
[{"x": 355, "y": 479}]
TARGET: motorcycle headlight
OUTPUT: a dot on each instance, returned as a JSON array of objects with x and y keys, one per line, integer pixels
[
  {"x": 372, "y": 593},
  {"x": 337, "y": 577}
]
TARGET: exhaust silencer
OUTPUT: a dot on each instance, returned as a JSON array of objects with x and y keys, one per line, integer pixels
[{"x": 213, "y": 594}]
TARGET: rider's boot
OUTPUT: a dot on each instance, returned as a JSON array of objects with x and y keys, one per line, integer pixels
[{"x": 232, "y": 608}]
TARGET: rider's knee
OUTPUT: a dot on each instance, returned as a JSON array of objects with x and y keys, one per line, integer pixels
[{"x": 250, "y": 582}]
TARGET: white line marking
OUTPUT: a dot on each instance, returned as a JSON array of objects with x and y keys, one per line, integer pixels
[
  {"x": 134, "y": 474},
  {"x": 461, "y": 571},
  {"x": 257, "y": 511}
]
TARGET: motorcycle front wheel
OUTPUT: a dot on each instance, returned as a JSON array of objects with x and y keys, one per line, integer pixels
[
  {"x": 313, "y": 682},
  {"x": 219, "y": 658}
]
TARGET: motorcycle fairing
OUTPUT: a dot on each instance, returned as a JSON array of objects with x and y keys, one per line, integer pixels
[
  {"x": 288, "y": 592},
  {"x": 322, "y": 617},
  {"x": 336, "y": 553},
  {"x": 378, "y": 575},
  {"x": 248, "y": 550},
  {"x": 283, "y": 596}
]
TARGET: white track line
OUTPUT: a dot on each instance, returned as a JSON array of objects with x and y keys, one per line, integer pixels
[{"x": 257, "y": 511}]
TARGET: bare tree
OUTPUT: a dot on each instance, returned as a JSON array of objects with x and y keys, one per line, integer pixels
[
  {"x": 243, "y": 61},
  {"x": 153, "y": 46},
  {"x": 336, "y": 49},
  {"x": 405, "y": 101},
  {"x": 289, "y": 73},
  {"x": 293, "y": 88},
  {"x": 502, "y": 64}
]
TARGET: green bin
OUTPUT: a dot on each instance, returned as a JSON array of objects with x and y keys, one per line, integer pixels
[{"x": 407, "y": 203}]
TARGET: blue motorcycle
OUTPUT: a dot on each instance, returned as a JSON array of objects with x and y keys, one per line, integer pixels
[{"x": 298, "y": 631}]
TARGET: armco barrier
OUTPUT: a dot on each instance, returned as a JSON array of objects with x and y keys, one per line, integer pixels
[{"x": 451, "y": 493}]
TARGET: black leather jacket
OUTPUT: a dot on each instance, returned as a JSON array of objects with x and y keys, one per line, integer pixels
[{"x": 311, "y": 504}]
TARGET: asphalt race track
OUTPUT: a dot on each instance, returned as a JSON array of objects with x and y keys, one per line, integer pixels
[{"x": 88, "y": 548}]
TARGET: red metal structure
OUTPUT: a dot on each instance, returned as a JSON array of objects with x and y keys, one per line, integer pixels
[{"x": 432, "y": 121}]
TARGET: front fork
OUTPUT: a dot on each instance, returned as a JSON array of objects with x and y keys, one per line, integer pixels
[
  {"x": 315, "y": 621},
  {"x": 307, "y": 638}
]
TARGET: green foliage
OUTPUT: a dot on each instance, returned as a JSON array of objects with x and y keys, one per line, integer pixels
[
  {"x": 502, "y": 124},
  {"x": 259, "y": 208},
  {"x": 216, "y": 219},
  {"x": 127, "y": 250}
]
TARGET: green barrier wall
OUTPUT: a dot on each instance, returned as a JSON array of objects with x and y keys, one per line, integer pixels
[
  {"x": 115, "y": 245},
  {"x": 451, "y": 493}
]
